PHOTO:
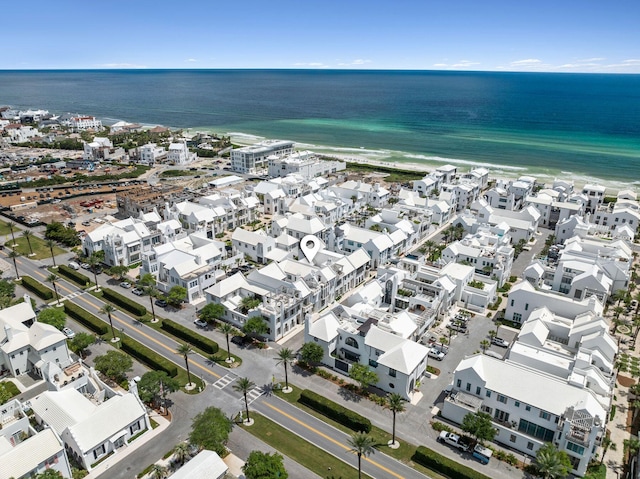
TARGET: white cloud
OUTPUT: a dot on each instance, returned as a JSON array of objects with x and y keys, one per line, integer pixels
[
  {"x": 357, "y": 62},
  {"x": 591, "y": 60},
  {"x": 311, "y": 65},
  {"x": 191, "y": 60},
  {"x": 459, "y": 64},
  {"x": 120, "y": 65},
  {"x": 528, "y": 61}
]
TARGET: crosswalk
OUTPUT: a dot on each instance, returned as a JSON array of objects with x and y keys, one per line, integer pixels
[
  {"x": 252, "y": 395},
  {"x": 75, "y": 294},
  {"x": 224, "y": 381}
]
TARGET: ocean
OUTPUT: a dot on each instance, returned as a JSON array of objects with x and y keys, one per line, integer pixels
[{"x": 584, "y": 127}]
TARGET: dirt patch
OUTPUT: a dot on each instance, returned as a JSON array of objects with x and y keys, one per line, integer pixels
[{"x": 625, "y": 381}]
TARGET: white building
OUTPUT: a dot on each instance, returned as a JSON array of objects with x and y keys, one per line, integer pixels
[
  {"x": 179, "y": 154},
  {"x": 20, "y": 133},
  {"x": 552, "y": 211},
  {"x": 303, "y": 163},
  {"x": 205, "y": 465},
  {"x": 254, "y": 244},
  {"x": 362, "y": 194},
  {"x": 254, "y": 159},
  {"x": 595, "y": 197},
  {"x": 528, "y": 407},
  {"x": 91, "y": 431},
  {"x": 151, "y": 153},
  {"x": 81, "y": 123}
]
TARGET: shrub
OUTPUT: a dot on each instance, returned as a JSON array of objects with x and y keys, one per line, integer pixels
[
  {"x": 440, "y": 426},
  {"x": 334, "y": 411},
  {"x": 36, "y": 287},
  {"x": 75, "y": 276},
  {"x": 85, "y": 318},
  {"x": 148, "y": 357},
  {"x": 446, "y": 466},
  {"x": 124, "y": 302},
  {"x": 191, "y": 337}
]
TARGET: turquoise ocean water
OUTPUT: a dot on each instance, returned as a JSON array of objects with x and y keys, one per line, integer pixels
[{"x": 584, "y": 127}]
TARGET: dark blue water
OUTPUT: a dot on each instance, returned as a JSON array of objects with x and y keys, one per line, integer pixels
[{"x": 578, "y": 125}]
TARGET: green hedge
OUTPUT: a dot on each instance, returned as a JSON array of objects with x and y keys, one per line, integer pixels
[
  {"x": 432, "y": 460},
  {"x": 124, "y": 302},
  {"x": 36, "y": 287},
  {"x": 335, "y": 411},
  {"x": 75, "y": 276},
  {"x": 84, "y": 317},
  {"x": 148, "y": 357},
  {"x": 191, "y": 337}
]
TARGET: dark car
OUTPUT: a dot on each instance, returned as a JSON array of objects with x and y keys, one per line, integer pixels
[{"x": 161, "y": 302}]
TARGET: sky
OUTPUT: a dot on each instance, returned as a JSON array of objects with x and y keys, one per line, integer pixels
[{"x": 488, "y": 35}]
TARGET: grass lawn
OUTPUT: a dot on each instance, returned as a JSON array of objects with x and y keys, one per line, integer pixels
[
  {"x": 40, "y": 249},
  {"x": 8, "y": 390},
  {"x": 4, "y": 229},
  {"x": 301, "y": 451},
  {"x": 382, "y": 437},
  {"x": 393, "y": 174}
]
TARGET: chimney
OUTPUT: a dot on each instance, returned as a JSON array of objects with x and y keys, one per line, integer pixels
[{"x": 8, "y": 331}]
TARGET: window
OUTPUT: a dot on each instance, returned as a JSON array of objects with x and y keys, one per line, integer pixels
[
  {"x": 512, "y": 438},
  {"x": 392, "y": 372},
  {"x": 502, "y": 399},
  {"x": 517, "y": 317},
  {"x": 526, "y": 307},
  {"x": 392, "y": 386},
  {"x": 373, "y": 364},
  {"x": 530, "y": 446},
  {"x": 458, "y": 383},
  {"x": 478, "y": 389},
  {"x": 512, "y": 302},
  {"x": 488, "y": 393},
  {"x": 545, "y": 415},
  {"x": 527, "y": 407},
  {"x": 99, "y": 451},
  {"x": 517, "y": 403},
  {"x": 501, "y": 415},
  {"x": 575, "y": 448},
  {"x": 135, "y": 427},
  {"x": 351, "y": 342},
  {"x": 536, "y": 431},
  {"x": 468, "y": 387}
]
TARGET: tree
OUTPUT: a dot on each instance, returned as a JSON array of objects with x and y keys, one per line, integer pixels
[
  {"x": 484, "y": 344},
  {"x": 630, "y": 448},
  {"x": 12, "y": 227},
  {"x": 286, "y": 357},
  {"x": 27, "y": 234},
  {"x": 148, "y": 284},
  {"x": 210, "y": 430},
  {"x": 255, "y": 326},
  {"x": 185, "y": 350},
  {"x": 244, "y": 385},
  {"x": 248, "y": 303},
  {"x": 80, "y": 342},
  {"x": 395, "y": 403},
  {"x": 176, "y": 296},
  {"x": 52, "y": 278},
  {"x": 114, "y": 365},
  {"x": 551, "y": 463},
  {"x": 181, "y": 452},
  {"x": 7, "y": 293},
  {"x": 50, "y": 474},
  {"x": 158, "y": 471},
  {"x": 147, "y": 279},
  {"x": 607, "y": 443},
  {"x": 493, "y": 333},
  {"x": 51, "y": 244},
  {"x": 211, "y": 312},
  {"x": 93, "y": 261},
  {"x": 479, "y": 425},
  {"x": 362, "y": 444},
  {"x": 363, "y": 375},
  {"x": 312, "y": 353},
  {"x": 262, "y": 465},
  {"x": 227, "y": 329},
  {"x": 118, "y": 271},
  {"x": 108, "y": 309},
  {"x": 56, "y": 317},
  {"x": 13, "y": 254},
  {"x": 154, "y": 386}
]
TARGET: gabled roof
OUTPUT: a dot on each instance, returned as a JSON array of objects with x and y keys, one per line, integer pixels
[
  {"x": 325, "y": 328},
  {"x": 405, "y": 357},
  {"x": 27, "y": 455}
]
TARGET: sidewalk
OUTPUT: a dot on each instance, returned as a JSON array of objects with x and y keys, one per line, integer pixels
[{"x": 123, "y": 452}]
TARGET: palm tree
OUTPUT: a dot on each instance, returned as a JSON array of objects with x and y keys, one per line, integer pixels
[
  {"x": 108, "y": 309},
  {"x": 50, "y": 244},
  {"x": 93, "y": 261},
  {"x": 550, "y": 463},
  {"x": 227, "y": 329},
  {"x": 244, "y": 385},
  {"x": 395, "y": 403},
  {"x": 285, "y": 357},
  {"x": 158, "y": 472},
  {"x": 362, "y": 444},
  {"x": 152, "y": 291},
  {"x": 181, "y": 452},
  {"x": 492, "y": 334},
  {"x": 13, "y": 254},
  {"x": 631, "y": 447},
  {"x": 12, "y": 226},
  {"x": 52, "y": 278},
  {"x": 484, "y": 344},
  {"x": 186, "y": 349},
  {"x": 27, "y": 234}
]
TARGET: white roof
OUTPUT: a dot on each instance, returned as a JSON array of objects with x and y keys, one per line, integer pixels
[
  {"x": 27, "y": 455},
  {"x": 206, "y": 465},
  {"x": 325, "y": 328},
  {"x": 405, "y": 357}
]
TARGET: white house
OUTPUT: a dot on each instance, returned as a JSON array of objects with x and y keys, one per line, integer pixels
[
  {"x": 255, "y": 244},
  {"x": 254, "y": 159},
  {"x": 303, "y": 163},
  {"x": 205, "y": 465},
  {"x": 179, "y": 154},
  {"x": 91, "y": 431},
  {"x": 81, "y": 123},
  {"x": 151, "y": 153}
]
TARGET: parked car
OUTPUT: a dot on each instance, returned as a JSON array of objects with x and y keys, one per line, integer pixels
[
  {"x": 435, "y": 354},
  {"x": 499, "y": 342},
  {"x": 161, "y": 302},
  {"x": 125, "y": 284},
  {"x": 201, "y": 323},
  {"x": 457, "y": 327},
  {"x": 85, "y": 266},
  {"x": 74, "y": 265},
  {"x": 69, "y": 333},
  {"x": 454, "y": 440},
  {"x": 137, "y": 291}
]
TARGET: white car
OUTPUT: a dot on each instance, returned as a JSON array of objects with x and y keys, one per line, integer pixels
[
  {"x": 500, "y": 342},
  {"x": 436, "y": 354},
  {"x": 137, "y": 291},
  {"x": 201, "y": 323},
  {"x": 125, "y": 285},
  {"x": 69, "y": 333},
  {"x": 74, "y": 265}
]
